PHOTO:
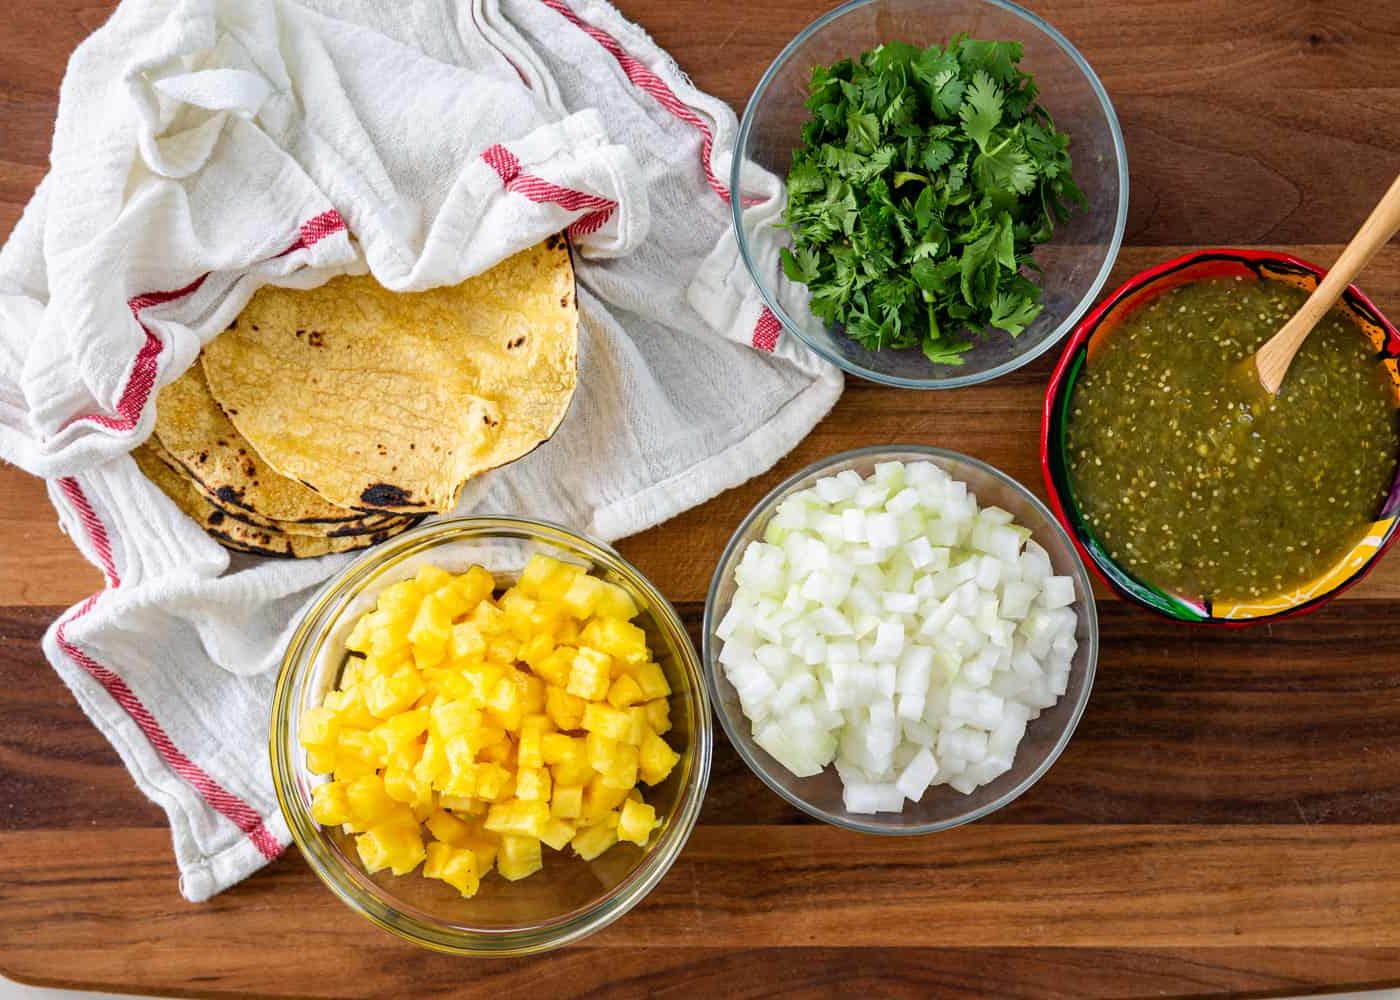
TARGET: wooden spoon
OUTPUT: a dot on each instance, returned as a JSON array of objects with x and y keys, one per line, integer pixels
[{"x": 1272, "y": 360}]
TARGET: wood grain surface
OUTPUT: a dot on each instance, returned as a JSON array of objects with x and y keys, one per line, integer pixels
[{"x": 1225, "y": 821}]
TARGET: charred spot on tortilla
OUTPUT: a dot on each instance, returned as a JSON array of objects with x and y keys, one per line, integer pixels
[
  {"x": 388, "y": 495},
  {"x": 316, "y": 339},
  {"x": 230, "y": 494},
  {"x": 517, "y": 342},
  {"x": 216, "y": 517}
]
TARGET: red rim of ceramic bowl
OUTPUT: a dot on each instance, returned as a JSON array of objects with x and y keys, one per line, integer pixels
[{"x": 1135, "y": 292}]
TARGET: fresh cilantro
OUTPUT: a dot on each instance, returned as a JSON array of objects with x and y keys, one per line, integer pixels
[{"x": 924, "y": 180}]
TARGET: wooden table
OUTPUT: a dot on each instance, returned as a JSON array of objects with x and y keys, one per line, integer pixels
[{"x": 1226, "y": 820}]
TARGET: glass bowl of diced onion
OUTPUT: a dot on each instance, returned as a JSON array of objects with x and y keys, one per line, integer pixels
[
  {"x": 926, "y": 512},
  {"x": 568, "y": 898}
]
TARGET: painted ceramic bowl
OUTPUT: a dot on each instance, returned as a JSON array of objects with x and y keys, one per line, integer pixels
[{"x": 1098, "y": 326}]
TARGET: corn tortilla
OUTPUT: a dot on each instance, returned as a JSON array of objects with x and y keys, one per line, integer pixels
[{"x": 390, "y": 401}]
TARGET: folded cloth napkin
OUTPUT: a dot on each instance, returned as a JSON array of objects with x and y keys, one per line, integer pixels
[{"x": 206, "y": 147}]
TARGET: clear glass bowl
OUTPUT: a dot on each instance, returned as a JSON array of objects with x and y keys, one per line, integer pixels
[
  {"x": 1075, "y": 262},
  {"x": 941, "y": 807},
  {"x": 569, "y": 898}
]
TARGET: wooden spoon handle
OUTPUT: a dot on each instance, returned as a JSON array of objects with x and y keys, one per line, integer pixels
[{"x": 1273, "y": 358}]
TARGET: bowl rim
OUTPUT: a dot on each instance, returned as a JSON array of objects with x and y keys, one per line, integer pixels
[
  {"x": 737, "y": 205},
  {"x": 1049, "y": 423},
  {"x": 764, "y": 508},
  {"x": 486, "y": 942}
]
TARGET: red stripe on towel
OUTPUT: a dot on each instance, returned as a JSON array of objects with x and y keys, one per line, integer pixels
[
  {"x": 647, "y": 80},
  {"x": 766, "y": 330},
  {"x": 597, "y": 210},
  {"x": 242, "y": 815}
]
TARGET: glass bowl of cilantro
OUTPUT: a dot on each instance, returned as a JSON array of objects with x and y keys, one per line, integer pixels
[{"x": 932, "y": 191}]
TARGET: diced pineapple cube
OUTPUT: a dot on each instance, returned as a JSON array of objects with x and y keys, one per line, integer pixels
[
  {"x": 564, "y": 710},
  {"x": 536, "y": 650},
  {"x": 475, "y": 586},
  {"x": 652, "y": 680},
  {"x": 519, "y": 609},
  {"x": 350, "y": 708},
  {"x": 397, "y": 846},
  {"x": 532, "y": 783},
  {"x": 463, "y": 805},
  {"x": 431, "y": 631},
  {"x": 401, "y": 786},
  {"x": 482, "y": 679},
  {"x": 556, "y": 667},
  {"x": 454, "y": 865},
  {"x": 620, "y": 639},
  {"x": 519, "y": 857},
  {"x": 567, "y": 801},
  {"x": 656, "y": 760},
  {"x": 494, "y": 782},
  {"x": 623, "y": 772},
  {"x": 636, "y": 822},
  {"x": 516, "y": 816},
  {"x": 350, "y": 768},
  {"x": 614, "y": 723},
  {"x": 614, "y": 602},
  {"x": 318, "y": 728},
  {"x": 624, "y": 692},
  {"x": 583, "y": 595},
  {"x": 505, "y": 704},
  {"x": 429, "y": 578},
  {"x": 448, "y": 828},
  {"x": 467, "y": 642},
  {"x": 398, "y": 603},
  {"x": 432, "y": 762},
  {"x": 396, "y": 731},
  {"x": 368, "y": 803},
  {"x": 590, "y": 674},
  {"x": 384, "y": 696},
  {"x": 547, "y": 578},
  {"x": 329, "y": 805},
  {"x": 426, "y": 807},
  {"x": 568, "y": 632},
  {"x": 659, "y": 715},
  {"x": 558, "y": 832},
  {"x": 488, "y": 618},
  {"x": 528, "y": 752},
  {"x": 485, "y": 846},
  {"x": 592, "y": 841},
  {"x": 359, "y": 638},
  {"x": 449, "y": 719},
  {"x": 599, "y": 799},
  {"x": 501, "y": 752},
  {"x": 320, "y": 761},
  {"x": 357, "y": 744},
  {"x": 602, "y": 752}
]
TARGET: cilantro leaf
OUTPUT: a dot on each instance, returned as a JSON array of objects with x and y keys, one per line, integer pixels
[{"x": 925, "y": 178}]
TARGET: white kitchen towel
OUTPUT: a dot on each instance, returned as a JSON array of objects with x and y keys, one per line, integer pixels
[{"x": 206, "y": 147}]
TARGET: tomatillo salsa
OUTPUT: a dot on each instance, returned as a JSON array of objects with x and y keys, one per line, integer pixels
[{"x": 1198, "y": 482}]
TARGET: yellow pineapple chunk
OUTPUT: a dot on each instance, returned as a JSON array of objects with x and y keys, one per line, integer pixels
[
  {"x": 636, "y": 822},
  {"x": 659, "y": 715},
  {"x": 467, "y": 642},
  {"x": 429, "y": 578},
  {"x": 583, "y": 595},
  {"x": 623, "y": 772},
  {"x": 657, "y": 759},
  {"x": 397, "y": 846},
  {"x": 431, "y": 631},
  {"x": 625, "y": 692},
  {"x": 319, "y": 727},
  {"x": 533, "y": 784},
  {"x": 387, "y": 695},
  {"x": 536, "y": 650},
  {"x": 614, "y": 602},
  {"x": 616, "y": 724},
  {"x": 456, "y": 866},
  {"x": 448, "y": 828},
  {"x": 590, "y": 674},
  {"x": 564, "y": 710},
  {"x": 623, "y": 641},
  {"x": 475, "y": 586},
  {"x": 518, "y": 817},
  {"x": 602, "y": 752},
  {"x": 494, "y": 782},
  {"x": 558, "y": 832},
  {"x": 329, "y": 805},
  {"x": 556, "y": 666},
  {"x": 320, "y": 761},
  {"x": 519, "y": 857},
  {"x": 350, "y": 768},
  {"x": 532, "y": 731},
  {"x": 397, "y": 603},
  {"x": 592, "y": 841},
  {"x": 505, "y": 706},
  {"x": 547, "y": 578},
  {"x": 358, "y": 745},
  {"x": 567, "y": 801},
  {"x": 652, "y": 680},
  {"x": 599, "y": 799}
]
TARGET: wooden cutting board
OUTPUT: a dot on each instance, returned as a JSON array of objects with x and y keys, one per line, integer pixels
[{"x": 1226, "y": 820}]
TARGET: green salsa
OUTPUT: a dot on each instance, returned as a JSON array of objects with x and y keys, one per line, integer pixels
[{"x": 1193, "y": 478}]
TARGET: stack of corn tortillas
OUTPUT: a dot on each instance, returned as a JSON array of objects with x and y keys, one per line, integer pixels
[{"x": 328, "y": 420}]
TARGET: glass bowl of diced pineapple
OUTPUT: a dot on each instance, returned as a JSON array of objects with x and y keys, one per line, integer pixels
[
  {"x": 490, "y": 736},
  {"x": 900, "y": 639}
]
